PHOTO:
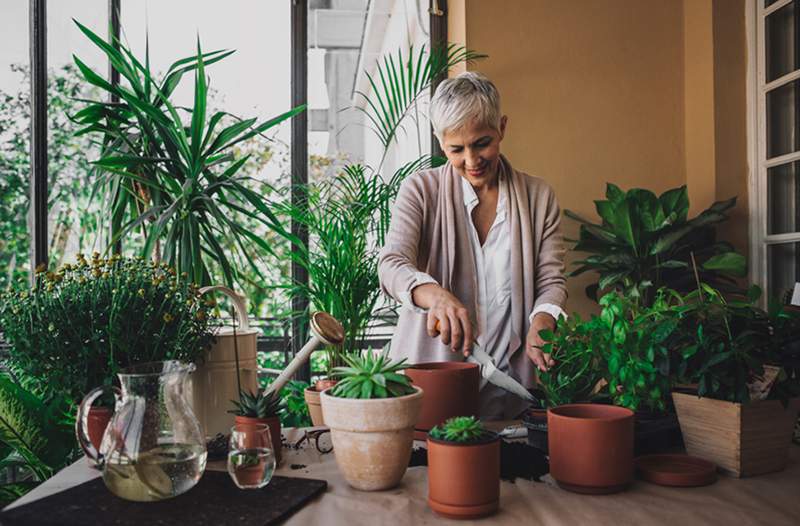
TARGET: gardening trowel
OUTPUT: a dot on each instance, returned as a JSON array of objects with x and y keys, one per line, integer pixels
[
  {"x": 495, "y": 376},
  {"x": 325, "y": 329}
]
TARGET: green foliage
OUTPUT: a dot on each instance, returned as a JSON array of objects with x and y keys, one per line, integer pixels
[
  {"x": 296, "y": 412},
  {"x": 644, "y": 242},
  {"x": 176, "y": 178},
  {"x": 258, "y": 404},
  {"x": 34, "y": 436},
  {"x": 459, "y": 429},
  {"x": 80, "y": 325},
  {"x": 370, "y": 375}
]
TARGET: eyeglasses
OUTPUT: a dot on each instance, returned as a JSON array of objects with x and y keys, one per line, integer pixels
[{"x": 314, "y": 435}]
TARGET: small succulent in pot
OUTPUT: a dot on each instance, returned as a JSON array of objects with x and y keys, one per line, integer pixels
[
  {"x": 254, "y": 408},
  {"x": 462, "y": 429}
]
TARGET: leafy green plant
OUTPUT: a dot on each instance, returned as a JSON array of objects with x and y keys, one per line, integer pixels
[
  {"x": 258, "y": 404},
  {"x": 176, "y": 178},
  {"x": 459, "y": 429},
  {"x": 643, "y": 243},
  {"x": 368, "y": 375},
  {"x": 81, "y": 324}
]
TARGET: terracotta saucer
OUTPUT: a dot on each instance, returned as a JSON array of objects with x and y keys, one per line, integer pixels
[{"x": 676, "y": 470}]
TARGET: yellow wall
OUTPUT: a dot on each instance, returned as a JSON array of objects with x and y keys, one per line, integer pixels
[{"x": 616, "y": 90}]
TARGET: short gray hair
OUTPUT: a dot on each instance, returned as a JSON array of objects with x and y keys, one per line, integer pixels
[{"x": 468, "y": 97}]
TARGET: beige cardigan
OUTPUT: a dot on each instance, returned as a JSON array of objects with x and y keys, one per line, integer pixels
[{"x": 428, "y": 233}]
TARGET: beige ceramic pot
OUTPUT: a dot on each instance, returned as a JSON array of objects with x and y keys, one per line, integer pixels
[{"x": 372, "y": 439}]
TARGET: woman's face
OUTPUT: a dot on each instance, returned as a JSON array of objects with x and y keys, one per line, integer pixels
[{"x": 474, "y": 151}]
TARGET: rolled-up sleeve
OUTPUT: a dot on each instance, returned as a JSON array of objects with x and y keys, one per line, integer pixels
[
  {"x": 550, "y": 282},
  {"x": 397, "y": 270}
]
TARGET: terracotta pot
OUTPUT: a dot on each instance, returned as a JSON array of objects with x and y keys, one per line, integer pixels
[
  {"x": 372, "y": 439},
  {"x": 591, "y": 447},
  {"x": 274, "y": 424},
  {"x": 464, "y": 479},
  {"x": 325, "y": 383},
  {"x": 451, "y": 389},
  {"x": 99, "y": 417},
  {"x": 311, "y": 394}
]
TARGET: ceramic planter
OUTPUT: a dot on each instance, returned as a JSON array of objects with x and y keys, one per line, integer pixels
[
  {"x": 451, "y": 389},
  {"x": 741, "y": 439},
  {"x": 311, "y": 394},
  {"x": 372, "y": 439},
  {"x": 464, "y": 479},
  {"x": 99, "y": 417},
  {"x": 591, "y": 447},
  {"x": 274, "y": 424}
]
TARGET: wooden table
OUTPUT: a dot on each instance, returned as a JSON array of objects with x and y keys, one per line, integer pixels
[{"x": 768, "y": 499}]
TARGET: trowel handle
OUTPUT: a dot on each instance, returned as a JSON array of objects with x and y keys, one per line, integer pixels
[{"x": 298, "y": 360}]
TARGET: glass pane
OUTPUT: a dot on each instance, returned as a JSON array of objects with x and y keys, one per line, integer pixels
[
  {"x": 783, "y": 188},
  {"x": 782, "y": 120},
  {"x": 783, "y": 268},
  {"x": 781, "y": 42},
  {"x": 14, "y": 142},
  {"x": 768, "y": 3},
  {"x": 74, "y": 220}
]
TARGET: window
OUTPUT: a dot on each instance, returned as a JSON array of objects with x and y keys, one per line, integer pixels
[{"x": 776, "y": 243}]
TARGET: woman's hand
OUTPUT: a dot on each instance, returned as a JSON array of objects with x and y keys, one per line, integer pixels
[
  {"x": 534, "y": 342},
  {"x": 447, "y": 317}
]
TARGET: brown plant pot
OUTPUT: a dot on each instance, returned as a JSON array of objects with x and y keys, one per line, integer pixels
[
  {"x": 311, "y": 395},
  {"x": 274, "y": 424},
  {"x": 464, "y": 479},
  {"x": 99, "y": 417},
  {"x": 741, "y": 439},
  {"x": 451, "y": 389},
  {"x": 372, "y": 438},
  {"x": 591, "y": 447}
]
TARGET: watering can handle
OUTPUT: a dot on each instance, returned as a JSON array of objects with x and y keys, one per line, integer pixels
[{"x": 238, "y": 303}]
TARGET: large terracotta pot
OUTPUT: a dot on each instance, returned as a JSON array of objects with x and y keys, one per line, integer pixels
[
  {"x": 99, "y": 417},
  {"x": 274, "y": 424},
  {"x": 464, "y": 479},
  {"x": 311, "y": 394},
  {"x": 591, "y": 447},
  {"x": 451, "y": 389},
  {"x": 372, "y": 439}
]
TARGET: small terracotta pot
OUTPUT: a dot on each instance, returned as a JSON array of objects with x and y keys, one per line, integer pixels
[
  {"x": 99, "y": 417},
  {"x": 464, "y": 479},
  {"x": 451, "y": 389},
  {"x": 311, "y": 394},
  {"x": 325, "y": 383},
  {"x": 372, "y": 438},
  {"x": 591, "y": 447},
  {"x": 274, "y": 424}
]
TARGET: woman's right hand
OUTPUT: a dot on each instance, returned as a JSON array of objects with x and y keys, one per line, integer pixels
[{"x": 447, "y": 317}]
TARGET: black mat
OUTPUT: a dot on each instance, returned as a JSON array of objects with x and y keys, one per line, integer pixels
[{"x": 215, "y": 500}]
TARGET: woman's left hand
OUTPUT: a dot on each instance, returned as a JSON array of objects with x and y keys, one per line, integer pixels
[{"x": 534, "y": 342}]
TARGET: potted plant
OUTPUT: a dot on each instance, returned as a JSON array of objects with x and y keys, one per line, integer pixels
[
  {"x": 372, "y": 411},
  {"x": 743, "y": 362},
  {"x": 82, "y": 323},
  {"x": 451, "y": 388},
  {"x": 463, "y": 469},
  {"x": 254, "y": 409}
]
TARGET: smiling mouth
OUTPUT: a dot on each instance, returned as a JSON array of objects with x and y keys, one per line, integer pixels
[{"x": 476, "y": 170}]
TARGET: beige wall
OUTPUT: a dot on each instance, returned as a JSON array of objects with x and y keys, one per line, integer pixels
[{"x": 621, "y": 91}]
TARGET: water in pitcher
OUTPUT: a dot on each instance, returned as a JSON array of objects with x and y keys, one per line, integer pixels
[{"x": 157, "y": 474}]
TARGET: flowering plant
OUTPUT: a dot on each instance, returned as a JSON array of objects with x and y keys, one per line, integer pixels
[{"x": 78, "y": 326}]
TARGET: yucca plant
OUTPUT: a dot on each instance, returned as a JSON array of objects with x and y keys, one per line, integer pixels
[
  {"x": 171, "y": 173},
  {"x": 644, "y": 242},
  {"x": 460, "y": 429},
  {"x": 257, "y": 405},
  {"x": 369, "y": 375}
]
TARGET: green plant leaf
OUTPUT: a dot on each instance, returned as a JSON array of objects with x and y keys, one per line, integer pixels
[{"x": 729, "y": 262}]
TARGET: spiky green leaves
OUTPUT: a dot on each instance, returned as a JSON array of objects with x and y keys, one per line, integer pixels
[
  {"x": 257, "y": 405},
  {"x": 371, "y": 376},
  {"x": 459, "y": 429}
]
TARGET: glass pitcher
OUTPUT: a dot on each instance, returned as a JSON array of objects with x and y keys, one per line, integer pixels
[{"x": 152, "y": 448}]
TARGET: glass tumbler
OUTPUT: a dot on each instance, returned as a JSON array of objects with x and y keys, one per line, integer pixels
[{"x": 251, "y": 457}]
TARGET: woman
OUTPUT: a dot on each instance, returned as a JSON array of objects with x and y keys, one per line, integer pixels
[{"x": 474, "y": 252}]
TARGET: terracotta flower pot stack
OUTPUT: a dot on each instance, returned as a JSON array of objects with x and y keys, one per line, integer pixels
[
  {"x": 274, "y": 424},
  {"x": 451, "y": 389},
  {"x": 591, "y": 447},
  {"x": 464, "y": 479},
  {"x": 372, "y": 438}
]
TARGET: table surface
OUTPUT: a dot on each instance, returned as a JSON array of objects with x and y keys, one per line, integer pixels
[{"x": 772, "y": 499}]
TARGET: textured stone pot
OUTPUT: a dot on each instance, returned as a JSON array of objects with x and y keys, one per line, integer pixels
[
  {"x": 451, "y": 389},
  {"x": 372, "y": 439},
  {"x": 464, "y": 479},
  {"x": 591, "y": 447},
  {"x": 274, "y": 424}
]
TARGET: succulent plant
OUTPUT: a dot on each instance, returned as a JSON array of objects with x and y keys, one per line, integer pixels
[
  {"x": 369, "y": 375},
  {"x": 257, "y": 405},
  {"x": 459, "y": 429}
]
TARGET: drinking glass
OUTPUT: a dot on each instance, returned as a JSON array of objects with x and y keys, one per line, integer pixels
[{"x": 251, "y": 457}]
